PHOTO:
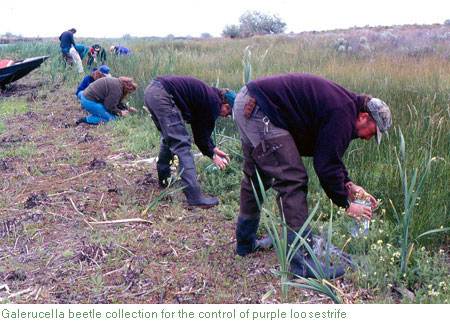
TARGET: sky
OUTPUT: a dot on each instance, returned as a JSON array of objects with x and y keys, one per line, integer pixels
[{"x": 110, "y": 19}]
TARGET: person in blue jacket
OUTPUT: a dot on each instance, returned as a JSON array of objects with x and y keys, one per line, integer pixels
[
  {"x": 120, "y": 50},
  {"x": 92, "y": 76},
  {"x": 67, "y": 40}
]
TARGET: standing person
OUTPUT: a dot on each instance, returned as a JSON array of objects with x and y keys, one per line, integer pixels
[
  {"x": 174, "y": 100},
  {"x": 284, "y": 117},
  {"x": 67, "y": 40},
  {"x": 120, "y": 50},
  {"x": 103, "y": 71},
  {"x": 104, "y": 99}
]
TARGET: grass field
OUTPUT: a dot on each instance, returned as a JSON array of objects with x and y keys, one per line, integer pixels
[{"x": 48, "y": 242}]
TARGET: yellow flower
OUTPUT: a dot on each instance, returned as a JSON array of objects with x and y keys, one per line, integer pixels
[
  {"x": 430, "y": 286},
  {"x": 441, "y": 251},
  {"x": 380, "y": 242}
]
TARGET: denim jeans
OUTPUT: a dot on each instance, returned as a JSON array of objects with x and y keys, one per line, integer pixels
[{"x": 98, "y": 111}]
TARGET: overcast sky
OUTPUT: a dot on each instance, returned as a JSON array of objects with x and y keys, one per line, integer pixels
[{"x": 100, "y": 18}]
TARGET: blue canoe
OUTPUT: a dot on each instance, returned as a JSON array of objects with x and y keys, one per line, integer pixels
[{"x": 19, "y": 69}]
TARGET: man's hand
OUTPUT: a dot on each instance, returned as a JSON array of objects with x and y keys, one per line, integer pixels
[
  {"x": 124, "y": 113},
  {"x": 132, "y": 109},
  {"x": 357, "y": 211},
  {"x": 357, "y": 192},
  {"x": 220, "y": 158}
]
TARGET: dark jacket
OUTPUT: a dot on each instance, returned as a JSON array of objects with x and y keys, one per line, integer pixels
[
  {"x": 100, "y": 55},
  {"x": 86, "y": 82},
  {"x": 321, "y": 117},
  {"x": 67, "y": 40},
  {"x": 109, "y": 92},
  {"x": 199, "y": 104}
]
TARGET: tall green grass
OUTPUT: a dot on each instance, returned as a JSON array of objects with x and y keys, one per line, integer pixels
[{"x": 416, "y": 88}]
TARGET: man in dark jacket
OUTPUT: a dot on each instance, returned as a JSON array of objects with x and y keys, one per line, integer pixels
[
  {"x": 174, "y": 100},
  {"x": 284, "y": 117},
  {"x": 96, "y": 54},
  {"x": 67, "y": 41}
]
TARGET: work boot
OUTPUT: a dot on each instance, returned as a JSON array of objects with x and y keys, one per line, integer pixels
[
  {"x": 81, "y": 120},
  {"x": 246, "y": 242},
  {"x": 302, "y": 264},
  {"x": 246, "y": 228},
  {"x": 191, "y": 189},
  {"x": 195, "y": 198},
  {"x": 163, "y": 164}
]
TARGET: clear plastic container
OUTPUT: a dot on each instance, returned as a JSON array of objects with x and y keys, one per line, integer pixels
[{"x": 358, "y": 230}]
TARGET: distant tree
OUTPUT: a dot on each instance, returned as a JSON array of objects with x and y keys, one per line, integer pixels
[
  {"x": 447, "y": 22},
  {"x": 231, "y": 31},
  {"x": 255, "y": 23},
  {"x": 170, "y": 36},
  {"x": 206, "y": 35}
]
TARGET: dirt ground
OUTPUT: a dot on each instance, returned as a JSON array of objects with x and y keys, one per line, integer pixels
[{"x": 54, "y": 247}]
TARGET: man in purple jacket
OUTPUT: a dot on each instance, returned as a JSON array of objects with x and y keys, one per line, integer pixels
[
  {"x": 284, "y": 117},
  {"x": 174, "y": 100}
]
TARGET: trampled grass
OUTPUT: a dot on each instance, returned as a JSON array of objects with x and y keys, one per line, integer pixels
[{"x": 410, "y": 73}]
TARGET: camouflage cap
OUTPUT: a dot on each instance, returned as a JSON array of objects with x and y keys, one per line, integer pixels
[{"x": 381, "y": 114}]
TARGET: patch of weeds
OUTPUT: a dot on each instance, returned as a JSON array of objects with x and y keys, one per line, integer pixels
[
  {"x": 11, "y": 107},
  {"x": 136, "y": 133},
  {"x": 24, "y": 150},
  {"x": 3, "y": 128}
]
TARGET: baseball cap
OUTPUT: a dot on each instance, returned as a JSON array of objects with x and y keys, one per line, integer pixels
[
  {"x": 105, "y": 70},
  {"x": 382, "y": 116},
  {"x": 230, "y": 96}
]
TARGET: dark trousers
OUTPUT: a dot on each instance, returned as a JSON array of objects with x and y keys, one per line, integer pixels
[
  {"x": 175, "y": 139},
  {"x": 278, "y": 162},
  {"x": 67, "y": 59},
  {"x": 280, "y": 167}
]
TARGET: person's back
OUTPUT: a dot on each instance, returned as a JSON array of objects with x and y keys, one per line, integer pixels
[
  {"x": 67, "y": 40},
  {"x": 122, "y": 51}
]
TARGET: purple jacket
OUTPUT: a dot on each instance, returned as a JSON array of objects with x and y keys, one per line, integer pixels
[
  {"x": 321, "y": 117},
  {"x": 199, "y": 104}
]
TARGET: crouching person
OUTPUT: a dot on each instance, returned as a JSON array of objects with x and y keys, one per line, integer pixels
[
  {"x": 174, "y": 100},
  {"x": 284, "y": 117},
  {"x": 103, "y": 99}
]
